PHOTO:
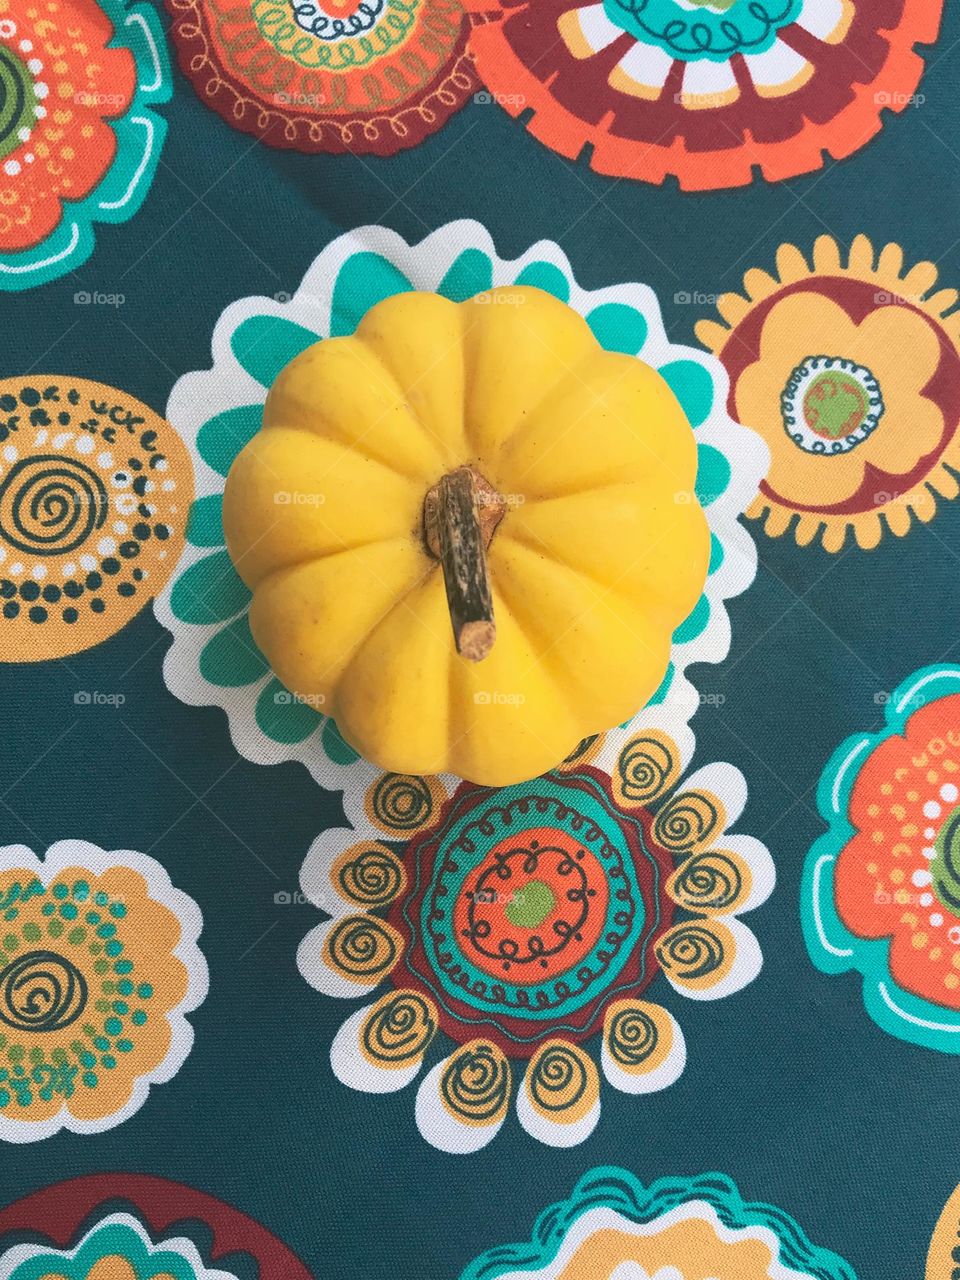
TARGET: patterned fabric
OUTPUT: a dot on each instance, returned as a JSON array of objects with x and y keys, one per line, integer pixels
[
  {"x": 328, "y": 75},
  {"x": 686, "y": 1006},
  {"x": 94, "y": 495},
  {"x": 99, "y": 964},
  {"x": 698, "y": 1228},
  {"x": 851, "y": 370},
  {"x": 131, "y": 1227},
  {"x": 525, "y": 924},
  {"x": 78, "y": 141},
  {"x": 882, "y": 887},
  {"x": 705, "y": 92}
]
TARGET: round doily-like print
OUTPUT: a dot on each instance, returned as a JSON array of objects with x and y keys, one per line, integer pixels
[
  {"x": 328, "y": 75},
  {"x": 531, "y": 908},
  {"x": 95, "y": 489},
  {"x": 131, "y": 1226},
  {"x": 706, "y": 91}
]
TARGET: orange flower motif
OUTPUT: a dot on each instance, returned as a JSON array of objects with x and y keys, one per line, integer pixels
[{"x": 62, "y": 84}]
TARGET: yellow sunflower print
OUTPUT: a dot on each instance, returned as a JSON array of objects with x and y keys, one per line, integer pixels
[{"x": 849, "y": 368}]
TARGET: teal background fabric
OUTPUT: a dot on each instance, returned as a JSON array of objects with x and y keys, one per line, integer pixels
[{"x": 791, "y": 1090}]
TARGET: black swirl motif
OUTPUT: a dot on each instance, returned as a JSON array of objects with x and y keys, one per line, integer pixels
[
  {"x": 694, "y": 39},
  {"x": 373, "y": 876},
  {"x": 946, "y": 864},
  {"x": 496, "y": 883},
  {"x": 632, "y": 1036},
  {"x": 362, "y": 947},
  {"x": 690, "y": 951},
  {"x": 401, "y": 802},
  {"x": 313, "y": 18},
  {"x": 399, "y": 1029},
  {"x": 558, "y": 1078},
  {"x": 708, "y": 882},
  {"x": 51, "y": 504},
  {"x": 41, "y": 991},
  {"x": 475, "y": 1086},
  {"x": 686, "y": 820},
  {"x": 645, "y": 767}
]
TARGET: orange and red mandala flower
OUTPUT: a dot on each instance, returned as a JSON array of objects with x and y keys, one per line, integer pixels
[
  {"x": 328, "y": 75},
  {"x": 882, "y": 887},
  {"x": 525, "y": 925},
  {"x": 705, "y": 90}
]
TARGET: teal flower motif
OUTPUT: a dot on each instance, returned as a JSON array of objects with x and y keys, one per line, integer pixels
[
  {"x": 105, "y": 122},
  {"x": 215, "y": 659},
  {"x": 612, "y": 1202},
  {"x": 119, "y": 1236}
]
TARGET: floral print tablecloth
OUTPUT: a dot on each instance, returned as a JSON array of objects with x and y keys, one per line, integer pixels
[{"x": 266, "y": 1011}]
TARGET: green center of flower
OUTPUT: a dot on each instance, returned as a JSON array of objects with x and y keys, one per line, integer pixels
[
  {"x": 834, "y": 405},
  {"x": 17, "y": 102},
  {"x": 830, "y": 404},
  {"x": 530, "y": 906},
  {"x": 945, "y": 868}
]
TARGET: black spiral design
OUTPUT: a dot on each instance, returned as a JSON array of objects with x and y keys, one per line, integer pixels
[
  {"x": 558, "y": 1078},
  {"x": 362, "y": 947},
  {"x": 399, "y": 1029},
  {"x": 690, "y": 951},
  {"x": 645, "y": 768},
  {"x": 632, "y": 1036},
  {"x": 946, "y": 864},
  {"x": 475, "y": 1084},
  {"x": 41, "y": 991},
  {"x": 686, "y": 821},
  {"x": 372, "y": 876},
  {"x": 708, "y": 882},
  {"x": 51, "y": 504},
  {"x": 401, "y": 802}
]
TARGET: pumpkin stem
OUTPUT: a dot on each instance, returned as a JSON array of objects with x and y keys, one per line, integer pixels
[{"x": 460, "y": 514}]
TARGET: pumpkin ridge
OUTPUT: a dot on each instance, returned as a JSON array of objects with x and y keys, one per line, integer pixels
[{"x": 358, "y": 446}]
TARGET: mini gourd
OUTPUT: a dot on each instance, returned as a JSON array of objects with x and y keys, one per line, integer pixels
[{"x": 470, "y": 532}]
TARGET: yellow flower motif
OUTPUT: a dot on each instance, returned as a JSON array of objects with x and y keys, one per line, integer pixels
[
  {"x": 98, "y": 964},
  {"x": 850, "y": 372}
]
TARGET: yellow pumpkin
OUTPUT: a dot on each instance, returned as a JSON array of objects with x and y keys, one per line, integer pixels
[{"x": 582, "y": 469}]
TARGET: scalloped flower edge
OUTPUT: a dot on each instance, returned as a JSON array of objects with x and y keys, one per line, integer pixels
[
  {"x": 200, "y": 396},
  {"x": 832, "y": 947}
]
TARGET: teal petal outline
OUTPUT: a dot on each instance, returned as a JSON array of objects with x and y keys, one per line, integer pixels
[
  {"x": 109, "y": 1240},
  {"x": 832, "y": 947},
  {"x": 140, "y": 134},
  {"x": 210, "y": 590},
  {"x": 263, "y": 345},
  {"x": 618, "y": 1189}
]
